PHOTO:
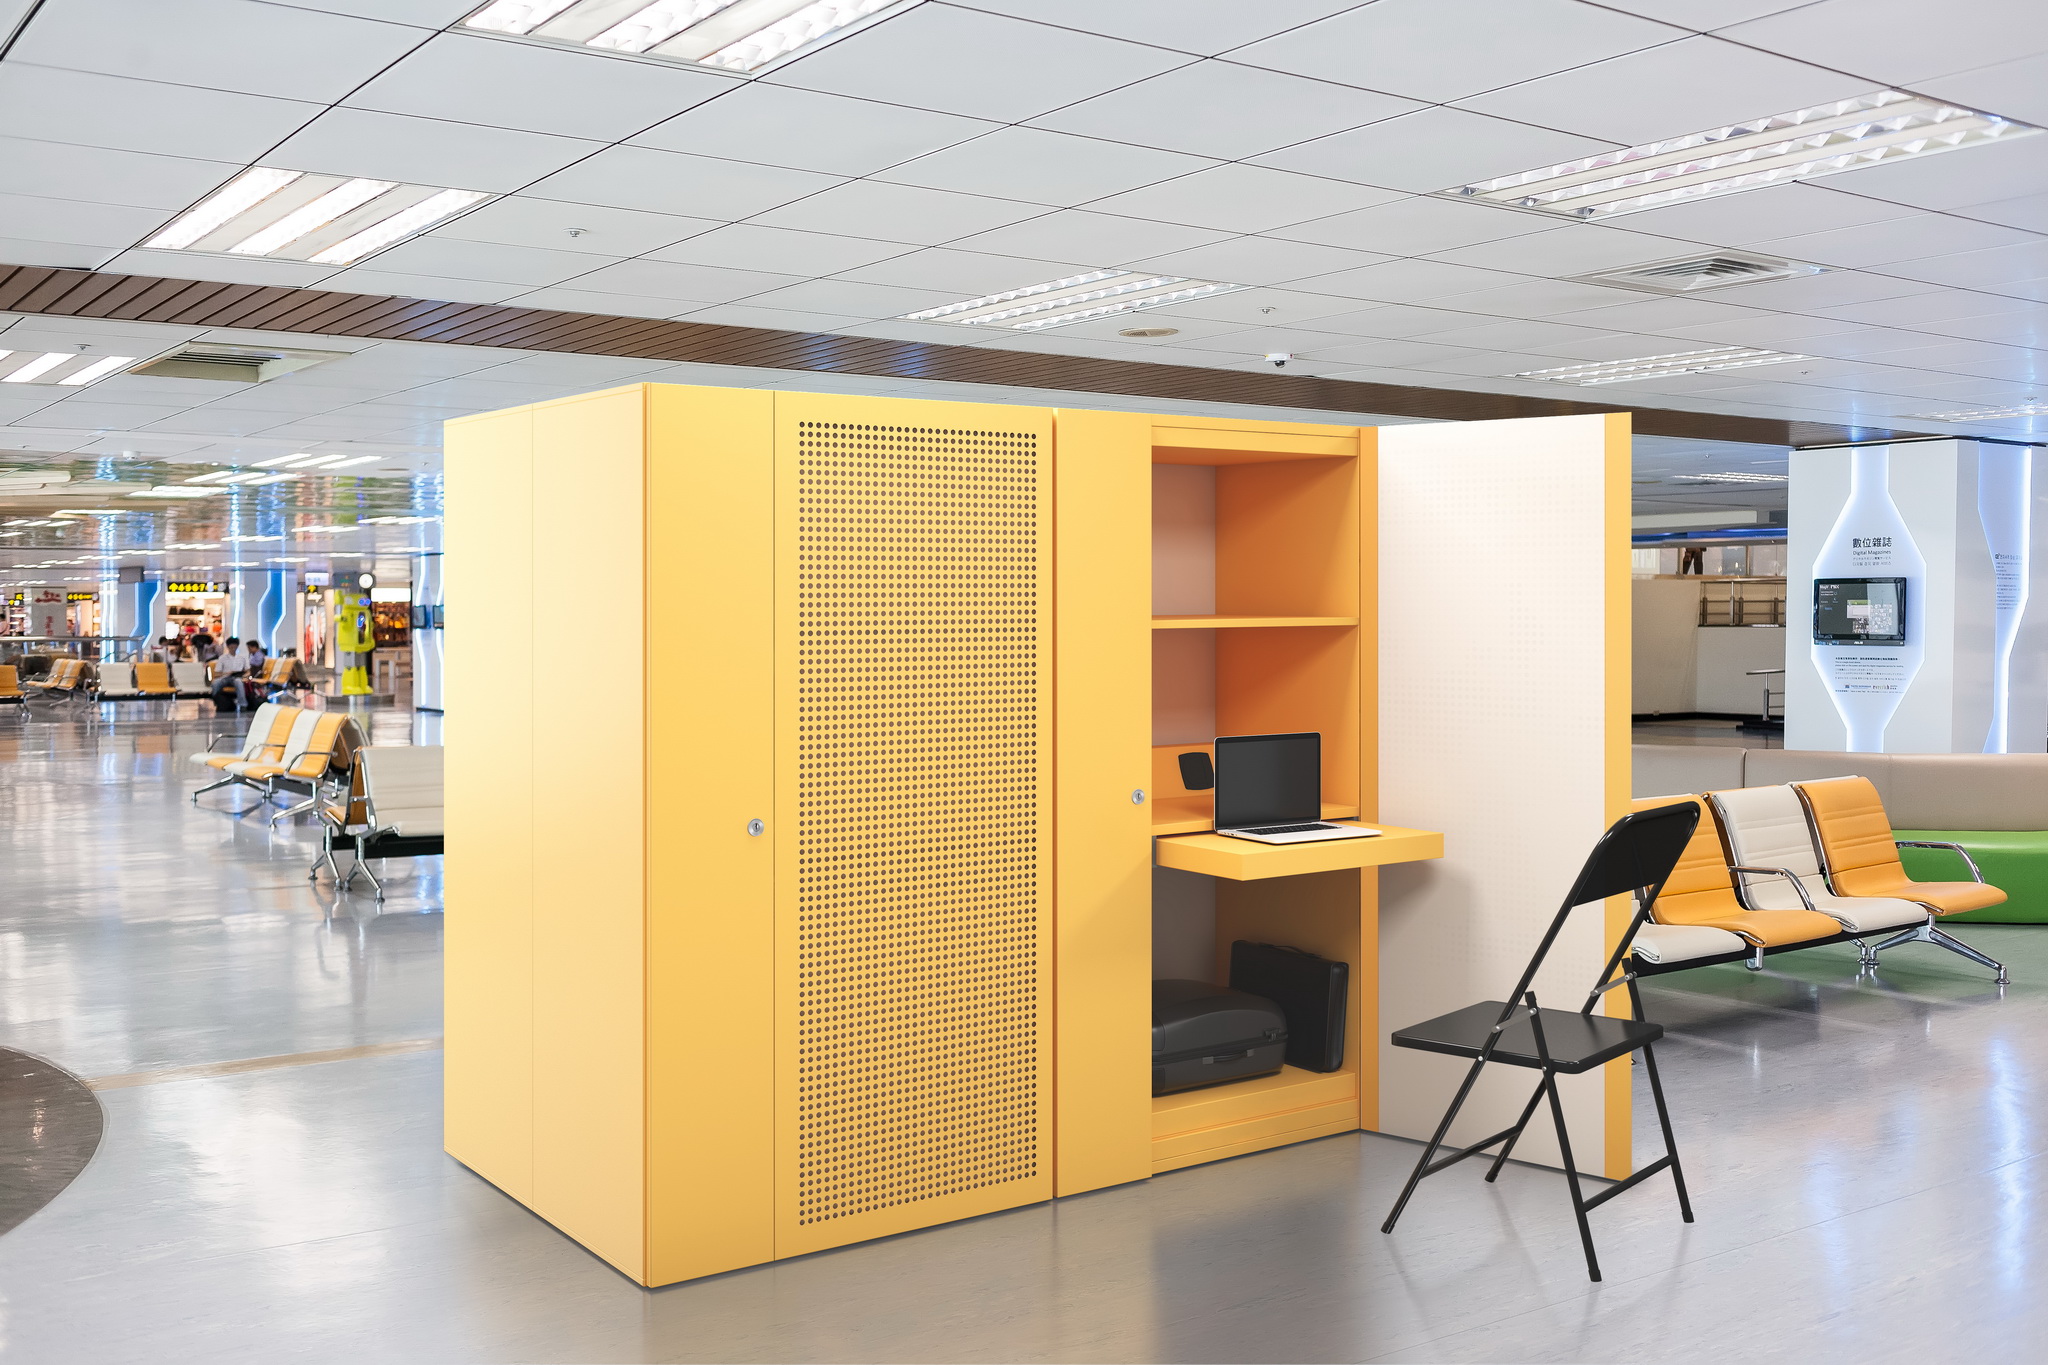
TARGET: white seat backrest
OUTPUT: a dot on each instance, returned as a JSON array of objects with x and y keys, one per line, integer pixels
[
  {"x": 258, "y": 732},
  {"x": 301, "y": 736},
  {"x": 1767, "y": 828},
  {"x": 117, "y": 677},
  {"x": 189, "y": 676},
  {"x": 402, "y": 777}
]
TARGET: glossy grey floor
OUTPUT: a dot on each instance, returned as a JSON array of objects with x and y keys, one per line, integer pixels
[{"x": 1866, "y": 1159}]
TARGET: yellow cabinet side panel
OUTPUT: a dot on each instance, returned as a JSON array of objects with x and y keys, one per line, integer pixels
[
  {"x": 1103, "y": 936},
  {"x": 711, "y": 753},
  {"x": 1618, "y": 1084},
  {"x": 913, "y": 860},
  {"x": 488, "y": 976},
  {"x": 589, "y": 883}
]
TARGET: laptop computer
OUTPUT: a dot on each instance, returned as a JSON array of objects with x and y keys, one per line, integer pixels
[{"x": 1269, "y": 788}]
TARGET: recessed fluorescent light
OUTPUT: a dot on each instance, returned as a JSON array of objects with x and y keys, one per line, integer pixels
[
  {"x": 42, "y": 364},
  {"x": 258, "y": 480},
  {"x": 218, "y": 476},
  {"x": 1735, "y": 478},
  {"x": 93, "y": 511},
  {"x": 241, "y": 539},
  {"x": 1984, "y": 414},
  {"x": 172, "y": 490},
  {"x": 189, "y": 545},
  {"x": 99, "y": 369},
  {"x": 300, "y": 216},
  {"x": 1078, "y": 298},
  {"x": 276, "y": 460},
  {"x": 360, "y": 459},
  {"x": 742, "y": 36},
  {"x": 1877, "y": 128},
  {"x": 1662, "y": 366},
  {"x": 315, "y": 461}
]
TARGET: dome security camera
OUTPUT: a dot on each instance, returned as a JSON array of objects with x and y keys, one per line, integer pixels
[{"x": 1279, "y": 359}]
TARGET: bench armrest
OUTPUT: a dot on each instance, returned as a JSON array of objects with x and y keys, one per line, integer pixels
[
  {"x": 211, "y": 744},
  {"x": 1787, "y": 874},
  {"x": 1957, "y": 849}
]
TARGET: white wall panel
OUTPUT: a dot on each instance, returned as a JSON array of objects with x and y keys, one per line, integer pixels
[{"x": 1495, "y": 727}]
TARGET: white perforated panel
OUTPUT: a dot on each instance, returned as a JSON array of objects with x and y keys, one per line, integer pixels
[{"x": 918, "y": 899}]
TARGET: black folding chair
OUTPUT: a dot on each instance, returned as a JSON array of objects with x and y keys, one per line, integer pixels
[{"x": 1634, "y": 857}]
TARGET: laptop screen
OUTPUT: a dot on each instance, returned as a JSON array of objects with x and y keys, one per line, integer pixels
[{"x": 1268, "y": 779}]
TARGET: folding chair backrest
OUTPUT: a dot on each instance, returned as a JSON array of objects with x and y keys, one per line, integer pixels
[
  {"x": 153, "y": 677},
  {"x": 1766, "y": 827},
  {"x": 1699, "y": 889},
  {"x": 1854, "y": 834},
  {"x": 321, "y": 739},
  {"x": 117, "y": 677}
]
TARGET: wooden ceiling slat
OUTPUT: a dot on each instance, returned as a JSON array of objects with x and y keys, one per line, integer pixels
[{"x": 196, "y": 303}]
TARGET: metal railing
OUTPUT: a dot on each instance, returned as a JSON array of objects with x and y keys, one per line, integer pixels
[
  {"x": 1774, "y": 697},
  {"x": 1733, "y": 606},
  {"x": 92, "y": 648}
]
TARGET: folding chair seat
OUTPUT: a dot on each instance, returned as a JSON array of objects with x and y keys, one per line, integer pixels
[
  {"x": 189, "y": 677},
  {"x": 117, "y": 682},
  {"x": 1700, "y": 893},
  {"x": 1771, "y": 851},
  {"x": 1636, "y": 856},
  {"x": 154, "y": 680},
  {"x": 1860, "y": 859}
]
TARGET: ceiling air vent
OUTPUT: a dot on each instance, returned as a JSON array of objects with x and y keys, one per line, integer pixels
[
  {"x": 1692, "y": 274},
  {"x": 233, "y": 364}
]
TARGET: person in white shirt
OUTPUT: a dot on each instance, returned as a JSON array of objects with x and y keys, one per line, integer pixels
[{"x": 228, "y": 672}]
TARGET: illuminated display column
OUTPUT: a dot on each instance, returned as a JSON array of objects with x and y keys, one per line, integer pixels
[{"x": 1914, "y": 599}]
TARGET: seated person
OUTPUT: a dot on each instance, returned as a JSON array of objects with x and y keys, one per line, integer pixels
[{"x": 230, "y": 685}]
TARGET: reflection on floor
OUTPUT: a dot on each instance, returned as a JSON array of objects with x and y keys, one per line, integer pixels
[
  {"x": 1864, "y": 1154},
  {"x": 1726, "y": 733}
]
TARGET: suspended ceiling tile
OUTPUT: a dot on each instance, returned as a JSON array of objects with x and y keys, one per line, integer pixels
[
  {"x": 1408, "y": 281},
  {"x": 668, "y": 182},
  {"x": 1914, "y": 237},
  {"x": 1042, "y": 167},
  {"x": 451, "y": 258},
  {"x": 750, "y": 246},
  {"x": 1537, "y": 299},
  {"x": 1398, "y": 321},
  {"x": 1774, "y": 331},
  {"x": 54, "y": 255},
  {"x": 569, "y": 369},
  {"x": 1040, "y": 67},
  {"x": 1240, "y": 198},
  {"x": 146, "y": 116},
  {"x": 691, "y": 283},
  {"x": 1390, "y": 354},
  {"x": 1100, "y": 239},
  {"x": 536, "y": 88},
  {"x": 1187, "y": 329},
  {"x": 597, "y": 301},
  {"x": 371, "y": 279},
  {"x": 2028, "y": 211},
  {"x": 779, "y": 319},
  {"x": 1809, "y": 292},
  {"x": 1255, "y": 306},
  {"x": 75, "y": 221},
  {"x": 586, "y": 229},
  {"x": 781, "y": 126},
  {"x": 1956, "y": 180},
  {"x": 1432, "y": 149},
  {"x": 1257, "y": 260},
  {"x": 1206, "y": 27},
  {"x": 420, "y": 13},
  {"x": 1751, "y": 216},
  {"x": 1704, "y": 15},
  {"x": 1683, "y": 87},
  {"x": 1994, "y": 270},
  {"x": 189, "y": 265},
  {"x": 1899, "y": 42},
  {"x": 969, "y": 274},
  {"x": 875, "y": 301},
  {"x": 1418, "y": 225},
  {"x": 1575, "y": 249},
  {"x": 263, "y": 49},
  {"x": 1917, "y": 310},
  {"x": 898, "y": 213},
  {"x": 421, "y": 151},
  {"x": 2016, "y": 89},
  {"x": 1222, "y": 109},
  {"x": 1662, "y": 315},
  {"x": 1428, "y": 50},
  {"x": 102, "y": 175}
]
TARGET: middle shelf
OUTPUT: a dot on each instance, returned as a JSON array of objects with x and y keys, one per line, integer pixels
[{"x": 1247, "y": 622}]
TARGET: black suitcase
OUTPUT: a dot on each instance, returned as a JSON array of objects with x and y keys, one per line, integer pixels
[
  {"x": 1204, "y": 1034},
  {"x": 1309, "y": 990}
]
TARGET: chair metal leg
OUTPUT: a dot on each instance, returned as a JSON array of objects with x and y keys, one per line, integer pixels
[
  {"x": 213, "y": 786},
  {"x": 1571, "y": 1174},
  {"x": 362, "y": 865},
  {"x": 1435, "y": 1142},
  {"x": 1535, "y": 1098},
  {"x": 1664, "y": 1124},
  {"x": 1927, "y": 933}
]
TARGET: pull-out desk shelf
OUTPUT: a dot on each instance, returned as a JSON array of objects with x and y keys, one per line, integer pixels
[{"x": 1244, "y": 860}]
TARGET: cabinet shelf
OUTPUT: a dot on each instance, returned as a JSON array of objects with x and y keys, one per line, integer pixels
[
  {"x": 1247, "y": 622},
  {"x": 1244, "y": 860},
  {"x": 1226, "y": 1120}
]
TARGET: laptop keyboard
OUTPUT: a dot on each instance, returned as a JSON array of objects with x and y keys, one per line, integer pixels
[{"x": 1288, "y": 829}]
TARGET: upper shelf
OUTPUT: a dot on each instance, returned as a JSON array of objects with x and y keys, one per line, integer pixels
[{"x": 1246, "y": 622}]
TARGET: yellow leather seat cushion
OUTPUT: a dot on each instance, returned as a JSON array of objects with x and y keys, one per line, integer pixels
[
  {"x": 1856, "y": 839},
  {"x": 1700, "y": 891}
]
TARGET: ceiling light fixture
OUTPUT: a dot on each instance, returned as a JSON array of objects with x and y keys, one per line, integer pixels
[
  {"x": 42, "y": 364},
  {"x": 276, "y": 460},
  {"x": 1984, "y": 414},
  {"x": 1662, "y": 366},
  {"x": 172, "y": 490},
  {"x": 300, "y": 216},
  {"x": 99, "y": 369},
  {"x": 742, "y": 36},
  {"x": 360, "y": 459},
  {"x": 1078, "y": 298},
  {"x": 1880, "y": 127}
]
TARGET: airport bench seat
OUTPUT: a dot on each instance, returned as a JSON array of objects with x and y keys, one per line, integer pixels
[{"x": 394, "y": 809}]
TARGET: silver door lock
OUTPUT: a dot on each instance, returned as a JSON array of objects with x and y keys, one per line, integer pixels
[
  {"x": 757, "y": 828},
  {"x": 1138, "y": 797}
]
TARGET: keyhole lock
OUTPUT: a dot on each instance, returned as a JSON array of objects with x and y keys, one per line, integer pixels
[
  {"x": 1138, "y": 797},
  {"x": 757, "y": 828}
]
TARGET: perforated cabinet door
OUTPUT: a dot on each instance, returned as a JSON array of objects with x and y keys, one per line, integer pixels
[{"x": 913, "y": 887}]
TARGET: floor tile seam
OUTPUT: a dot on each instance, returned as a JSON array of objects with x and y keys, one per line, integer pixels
[
  {"x": 1691, "y": 1262},
  {"x": 202, "y": 1071}
]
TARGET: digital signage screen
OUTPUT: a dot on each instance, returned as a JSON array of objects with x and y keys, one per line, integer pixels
[{"x": 1859, "y": 611}]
